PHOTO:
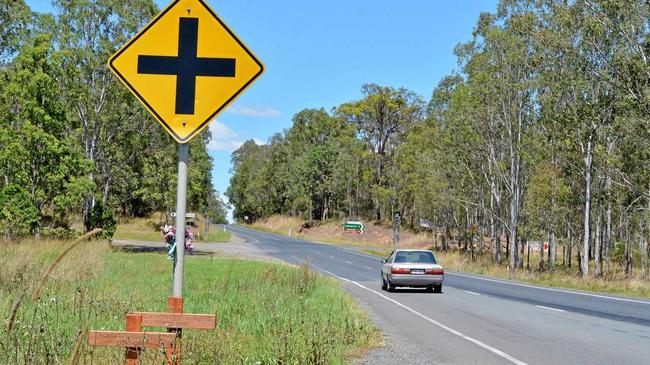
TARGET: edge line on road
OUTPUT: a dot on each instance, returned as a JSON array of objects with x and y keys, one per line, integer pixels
[
  {"x": 228, "y": 228},
  {"x": 549, "y": 308},
  {"x": 480, "y": 343},
  {"x": 551, "y": 289}
]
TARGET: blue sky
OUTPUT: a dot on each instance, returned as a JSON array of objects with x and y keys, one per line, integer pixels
[{"x": 319, "y": 53}]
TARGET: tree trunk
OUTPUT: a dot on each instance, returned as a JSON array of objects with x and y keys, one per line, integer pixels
[
  {"x": 597, "y": 264},
  {"x": 607, "y": 239},
  {"x": 497, "y": 235},
  {"x": 584, "y": 262},
  {"x": 628, "y": 250},
  {"x": 646, "y": 273},
  {"x": 552, "y": 249},
  {"x": 552, "y": 242},
  {"x": 644, "y": 259},
  {"x": 540, "y": 264},
  {"x": 569, "y": 248}
]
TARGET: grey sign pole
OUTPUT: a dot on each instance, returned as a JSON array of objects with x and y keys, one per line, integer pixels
[{"x": 181, "y": 196}]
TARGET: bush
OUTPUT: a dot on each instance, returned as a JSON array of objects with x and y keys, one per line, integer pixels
[
  {"x": 102, "y": 217},
  {"x": 59, "y": 233},
  {"x": 18, "y": 216}
]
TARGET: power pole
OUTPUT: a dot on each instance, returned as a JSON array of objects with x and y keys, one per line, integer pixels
[{"x": 397, "y": 222}]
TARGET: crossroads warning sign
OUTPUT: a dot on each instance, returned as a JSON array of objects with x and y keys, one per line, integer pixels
[{"x": 186, "y": 66}]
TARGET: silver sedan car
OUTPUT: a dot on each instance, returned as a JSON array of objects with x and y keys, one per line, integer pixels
[{"x": 412, "y": 268}]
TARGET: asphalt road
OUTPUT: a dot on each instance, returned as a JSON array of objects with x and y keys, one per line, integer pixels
[{"x": 478, "y": 320}]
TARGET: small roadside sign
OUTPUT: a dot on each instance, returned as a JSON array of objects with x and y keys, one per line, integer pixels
[
  {"x": 187, "y": 215},
  {"x": 427, "y": 224},
  {"x": 354, "y": 227},
  {"x": 185, "y": 67}
]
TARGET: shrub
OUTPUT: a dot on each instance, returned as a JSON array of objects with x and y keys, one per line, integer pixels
[
  {"x": 102, "y": 217},
  {"x": 18, "y": 216}
]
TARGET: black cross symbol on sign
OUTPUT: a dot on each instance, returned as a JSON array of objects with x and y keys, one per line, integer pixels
[{"x": 187, "y": 66}]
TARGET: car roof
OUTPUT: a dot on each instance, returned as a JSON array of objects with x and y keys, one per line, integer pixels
[{"x": 411, "y": 250}]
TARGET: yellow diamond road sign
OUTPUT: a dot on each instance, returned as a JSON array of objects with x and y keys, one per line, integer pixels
[{"x": 185, "y": 67}]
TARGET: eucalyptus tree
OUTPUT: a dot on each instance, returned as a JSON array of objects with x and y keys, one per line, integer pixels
[
  {"x": 381, "y": 118},
  {"x": 88, "y": 32},
  {"x": 15, "y": 17}
]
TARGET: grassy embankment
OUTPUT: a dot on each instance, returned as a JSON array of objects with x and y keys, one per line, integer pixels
[
  {"x": 378, "y": 241},
  {"x": 148, "y": 229},
  {"x": 266, "y": 312}
]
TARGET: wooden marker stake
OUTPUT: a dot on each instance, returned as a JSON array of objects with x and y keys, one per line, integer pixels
[
  {"x": 175, "y": 305},
  {"x": 133, "y": 324}
]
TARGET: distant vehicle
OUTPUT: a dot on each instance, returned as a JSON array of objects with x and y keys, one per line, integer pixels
[{"x": 412, "y": 268}]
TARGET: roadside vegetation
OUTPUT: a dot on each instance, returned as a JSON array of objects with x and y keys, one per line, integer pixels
[
  {"x": 148, "y": 228},
  {"x": 540, "y": 136},
  {"x": 377, "y": 240},
  {"x": 266, "y": 312},
  {"x": 75, "y": 145}
]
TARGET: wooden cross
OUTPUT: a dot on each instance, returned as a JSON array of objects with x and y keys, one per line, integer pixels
[{"x": 134, "y": 339}]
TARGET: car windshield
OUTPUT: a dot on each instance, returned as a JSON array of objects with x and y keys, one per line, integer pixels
[{"x": 415, "y": 257}]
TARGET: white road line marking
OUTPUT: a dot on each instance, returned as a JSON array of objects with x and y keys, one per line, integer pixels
[
  {"x": 332, "y": 257},
  {"x": 357, "y": 253},
  {"x": 551, "y": 309},
  {"x": 482, "y": 344},
  {"x": 552, "y": 289},
  {"x": 241, "y": 234},
  {"x": 369, "y": 268},
  {"x": 348, "y": 262},
  {"x": 471, "y": 292}
]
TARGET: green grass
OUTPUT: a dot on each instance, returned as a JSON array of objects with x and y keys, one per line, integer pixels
[
  {"x": 378, "y": 252},
  {"x": 266, "y": 312},
  {"x": 215, "y": 235}
]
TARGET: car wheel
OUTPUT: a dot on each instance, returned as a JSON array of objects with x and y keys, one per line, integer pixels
[
  {"x": 389, "y": 286},
  {"x": 437, "y": 288},
  {"x": 383, "y": 283}
]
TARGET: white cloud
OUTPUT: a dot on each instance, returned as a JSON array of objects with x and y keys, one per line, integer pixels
[
  {"x": 225, "y": 139},
  {"x": 260, "y": 111}
]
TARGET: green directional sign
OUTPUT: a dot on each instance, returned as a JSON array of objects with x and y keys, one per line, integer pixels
[{"x": 354, "y": 226}]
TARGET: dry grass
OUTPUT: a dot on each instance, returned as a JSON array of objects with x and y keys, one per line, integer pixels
[
  {"x": 332, "y": 232},
  {"x": 615, "y": 282}
]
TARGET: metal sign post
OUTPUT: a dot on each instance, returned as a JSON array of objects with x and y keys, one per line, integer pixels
[{"x": 181, "y": 199}]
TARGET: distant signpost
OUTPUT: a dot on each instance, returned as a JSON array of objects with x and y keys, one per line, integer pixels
[
  {"x": 187, "y": 215},
  {"x": 427, "y": 224},
  {"x": 354, "y": 227}
]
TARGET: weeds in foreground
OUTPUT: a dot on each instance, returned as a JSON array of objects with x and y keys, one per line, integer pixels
[{"x": 267, "y": 313}]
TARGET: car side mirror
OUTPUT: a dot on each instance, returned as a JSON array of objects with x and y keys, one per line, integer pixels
[{"x": 384, "y": 261}]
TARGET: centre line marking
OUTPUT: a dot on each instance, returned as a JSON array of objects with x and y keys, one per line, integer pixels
[
  {"x": 480, "y": 343},
  {"x": 551, "y": 309},
  {"x": 348, "y": 262},
  {"x": 368, "y": 267},
  {"x": 471, "y": 292}
]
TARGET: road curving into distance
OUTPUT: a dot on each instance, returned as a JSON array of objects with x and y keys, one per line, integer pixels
[{"x": 478, "y": 320}]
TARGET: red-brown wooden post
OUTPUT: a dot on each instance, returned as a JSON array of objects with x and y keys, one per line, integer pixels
[
  {"x": 133, "y": 324},
  {"x": 175, "y": 305}
]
